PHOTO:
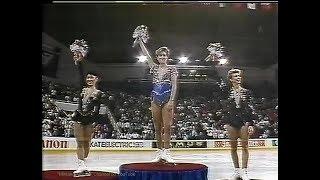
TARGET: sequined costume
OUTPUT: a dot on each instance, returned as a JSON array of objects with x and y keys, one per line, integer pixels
[
  {"x": 163, "y": 89},
  {"x": 238, "y": 109},
  {"x": 89, "y": 102}
]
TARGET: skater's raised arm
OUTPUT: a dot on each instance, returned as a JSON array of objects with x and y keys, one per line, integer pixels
[{"x": 146, "y": 53}]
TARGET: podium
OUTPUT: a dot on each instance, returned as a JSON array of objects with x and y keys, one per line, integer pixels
[{"x": 161, "y": 171}]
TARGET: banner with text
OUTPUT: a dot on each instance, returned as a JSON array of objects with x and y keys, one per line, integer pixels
[
  {"x": 100, "y": 144},
  {"x": 185, "y": 144}
]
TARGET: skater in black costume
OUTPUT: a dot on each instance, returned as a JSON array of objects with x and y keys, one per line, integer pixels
[
  {"x": 239, "y": 120},
  {"x": 90, "y": 100}
]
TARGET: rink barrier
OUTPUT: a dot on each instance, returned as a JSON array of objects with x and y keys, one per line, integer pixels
[{"x": 61, "y": 143}]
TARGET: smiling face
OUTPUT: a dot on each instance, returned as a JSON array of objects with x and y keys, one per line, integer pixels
[
  {"x": 91, "y": 80},
  {"x": 235, "y": 76},
  {"x": 162, "y": 55}
]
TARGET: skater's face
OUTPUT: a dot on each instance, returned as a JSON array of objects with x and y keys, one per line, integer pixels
[
  {"x": 91, "y": 80},
  {"x": 236, "y": 78},
  {"x": 77, "y": 55},
  {"x": 162, "y": 57}
]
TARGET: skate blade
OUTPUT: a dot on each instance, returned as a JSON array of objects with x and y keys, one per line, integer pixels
[
  {"x": 169, "y": 163},
  {"x": 82, "y": 174}
]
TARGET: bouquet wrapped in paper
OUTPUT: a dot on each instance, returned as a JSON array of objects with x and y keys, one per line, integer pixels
[
  {"x": 80, "y": 46},
  {"x": 140, "y": 33},
  {"x": 216, "y": 50}
]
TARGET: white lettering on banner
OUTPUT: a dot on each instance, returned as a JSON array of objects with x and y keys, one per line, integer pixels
[
  {"x": 251, "y": 143},
  {"x": 256, "y": 143},
  {"x": 189, "y": 144},
  {"x": 117, "y": 144},
  {"x": 55, "y": 144},
  {"x": 178, "y": 145},
  {"x": 185, "y": 144}
]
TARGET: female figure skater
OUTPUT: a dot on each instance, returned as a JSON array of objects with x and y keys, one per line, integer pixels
[
  {"x": 163, "y": 97},
  {"x": 239, "y": 121},
  {"x": 88, "y": 108}
]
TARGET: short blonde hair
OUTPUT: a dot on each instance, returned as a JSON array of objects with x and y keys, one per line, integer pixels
[
  {"x": 233, "y": 71},
  {"x": 163, "y": 49}
]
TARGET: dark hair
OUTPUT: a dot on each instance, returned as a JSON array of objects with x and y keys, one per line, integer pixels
[{"x": 94, "y": 73}]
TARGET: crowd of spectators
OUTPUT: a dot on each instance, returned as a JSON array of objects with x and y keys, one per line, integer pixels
[{"x": 196, "y": 117}]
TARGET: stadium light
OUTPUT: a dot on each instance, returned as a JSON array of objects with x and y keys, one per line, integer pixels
[
  {"x": 142, "y": 59},
  {"x": 223, "y": 61},
  {"x": 183, "y": 59}
]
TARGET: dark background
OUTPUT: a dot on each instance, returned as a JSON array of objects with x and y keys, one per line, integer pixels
[{"x": 250, "y": 36}]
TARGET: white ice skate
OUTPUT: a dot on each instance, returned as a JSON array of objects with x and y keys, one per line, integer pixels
[
  {"x": 167, "y": 156},
  {"x": 244, "y": 174},
  {"x": 236, "y": 174},
  {"x": 82, "y": 169},
  {"x": 158, "y": 156}
]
